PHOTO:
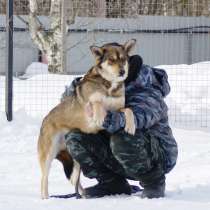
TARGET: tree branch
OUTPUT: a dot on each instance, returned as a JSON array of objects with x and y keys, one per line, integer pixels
[
  {"x": 37, "y": 33},
  {"x": 73, "y": 13},
  {"x": 23, "y": 20}
]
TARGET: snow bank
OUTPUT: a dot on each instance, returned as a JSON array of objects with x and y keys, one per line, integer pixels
[{"x": 36, "y": 68}]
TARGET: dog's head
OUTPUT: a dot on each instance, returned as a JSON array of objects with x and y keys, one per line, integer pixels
[{"x": 112, "y": 60}]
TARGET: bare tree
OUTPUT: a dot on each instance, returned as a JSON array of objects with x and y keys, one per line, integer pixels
[
  {"x": 120, "y": 8},
  {"x": 101, "y": 8},
  {"x": 130, "y": 8},
  {"x": 2, "y": 7},
  {"x": 51, "y": 42}
]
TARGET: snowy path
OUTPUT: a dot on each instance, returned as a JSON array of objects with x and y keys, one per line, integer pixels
[{"x": 188, "y": 186}]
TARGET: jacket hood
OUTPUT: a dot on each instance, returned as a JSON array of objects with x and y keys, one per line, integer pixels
[{"x": 149, "y": 77}]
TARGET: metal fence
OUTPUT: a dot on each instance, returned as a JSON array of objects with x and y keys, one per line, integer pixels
[
  {"x": 167, "y": 32},
  {"x": 160, "y": 40}
]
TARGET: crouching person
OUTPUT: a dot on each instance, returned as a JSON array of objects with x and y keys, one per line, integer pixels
[{"x": 112, "y": 156}]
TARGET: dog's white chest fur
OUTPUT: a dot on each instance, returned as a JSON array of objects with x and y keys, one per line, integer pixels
[
  {"x": 109, "y": 102},
  {"x": 114, "y": 86}
]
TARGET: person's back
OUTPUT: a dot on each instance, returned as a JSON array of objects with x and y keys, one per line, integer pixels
[{"x": 147, "y": 94}]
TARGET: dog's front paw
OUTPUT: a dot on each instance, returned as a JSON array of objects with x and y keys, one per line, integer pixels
[
  {"x": 98, "y": 113},
  {"x": 98, "y": 119},
  {"x": 130, "y": 126}
]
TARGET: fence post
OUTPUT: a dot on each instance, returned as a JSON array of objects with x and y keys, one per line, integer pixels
[
  {"x": 9, "y": 60},
  {"x": 189, "y": 44}
]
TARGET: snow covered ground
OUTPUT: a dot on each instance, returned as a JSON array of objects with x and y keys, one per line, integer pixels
[{"x": 188, "y": 185}]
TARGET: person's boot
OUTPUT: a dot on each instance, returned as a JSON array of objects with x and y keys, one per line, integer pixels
[
  {"x": 113, "y": 187},
  {"x": 154, "y": 190}
]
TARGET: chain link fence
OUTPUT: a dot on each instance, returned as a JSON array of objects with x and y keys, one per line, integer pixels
[{"x": 173, "y": 34}]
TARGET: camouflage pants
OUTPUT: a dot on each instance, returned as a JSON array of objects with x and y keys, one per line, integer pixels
[{"x": 106, "y": 157}]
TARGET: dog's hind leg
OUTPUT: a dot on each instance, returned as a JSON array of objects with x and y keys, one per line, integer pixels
[{"x": 75, "y": 179}]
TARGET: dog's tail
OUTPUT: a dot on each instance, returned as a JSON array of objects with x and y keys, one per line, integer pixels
[{"x": 67, "y": 161}]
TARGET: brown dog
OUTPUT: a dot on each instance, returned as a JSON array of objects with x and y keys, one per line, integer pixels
[{"x": 102, "y": 86}]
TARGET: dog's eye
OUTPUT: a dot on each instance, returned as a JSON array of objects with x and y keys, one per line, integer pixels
[{"x": 123, "y": 61}]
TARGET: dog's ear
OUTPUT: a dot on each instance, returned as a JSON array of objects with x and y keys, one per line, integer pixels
[
  {"x": 129, "y": 45},
  {"x": 97, "y": 52}
]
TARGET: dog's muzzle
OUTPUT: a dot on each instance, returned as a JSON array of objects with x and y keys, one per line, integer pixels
[{"x": 122, "y": 72}]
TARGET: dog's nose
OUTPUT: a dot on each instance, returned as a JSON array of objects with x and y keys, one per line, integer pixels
[{"x": 122, "y": 72}]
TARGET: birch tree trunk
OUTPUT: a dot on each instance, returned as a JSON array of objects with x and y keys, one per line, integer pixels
[
  {"x": 101, "y": 8},
  {"x": 49, "y": 42}
]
